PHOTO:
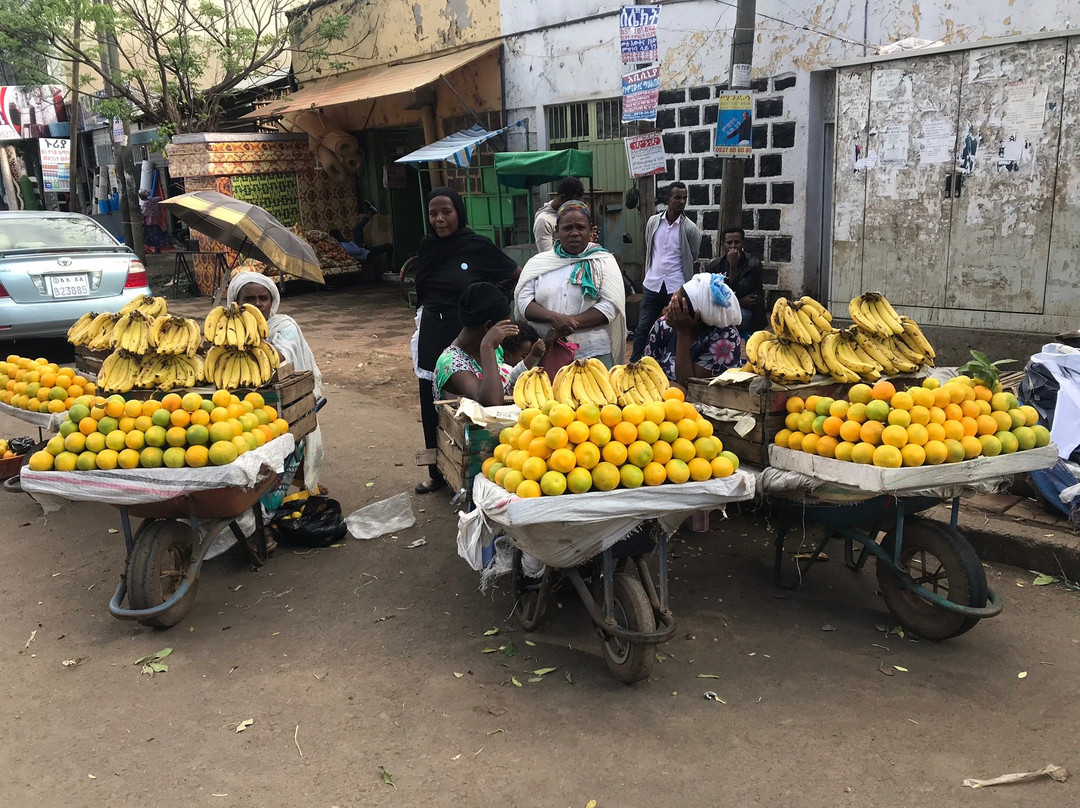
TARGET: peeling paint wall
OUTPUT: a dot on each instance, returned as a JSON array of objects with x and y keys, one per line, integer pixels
[
  {"x": 576, "y": 57},
  {"x": 392, "y": 30},
  {"x": 955, "y": 173}
]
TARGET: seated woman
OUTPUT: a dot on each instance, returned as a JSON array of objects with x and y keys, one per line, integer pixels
[
  {"x": 471, "y": 366},
  {"x": 697, "y": 336},
  {"x": 521, "y": 352},
  {"x": 287, "y": 339},
  {"x": 576, "y": 289}
]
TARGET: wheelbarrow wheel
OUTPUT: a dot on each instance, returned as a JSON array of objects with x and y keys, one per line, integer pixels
[
  {"x": 159, "y": 560},
  {"x": 530, "y": 606},
  {"x": 630, "y": 662},
  {"x": 940, "y": 559}
]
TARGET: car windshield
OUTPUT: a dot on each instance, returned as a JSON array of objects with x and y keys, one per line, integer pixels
[{"x": 59, "y": 232}]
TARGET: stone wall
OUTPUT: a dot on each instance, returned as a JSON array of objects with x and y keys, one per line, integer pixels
[{"x": 687, "y": 118}]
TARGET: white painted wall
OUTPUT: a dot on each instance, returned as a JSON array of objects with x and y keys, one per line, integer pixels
[{"x": 559, "y": 52}]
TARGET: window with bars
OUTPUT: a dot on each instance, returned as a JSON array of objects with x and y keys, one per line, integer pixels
[{"x": 586, "y": 120}]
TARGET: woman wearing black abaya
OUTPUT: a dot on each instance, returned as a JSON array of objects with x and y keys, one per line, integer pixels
[{"x": 449, "y": 259}]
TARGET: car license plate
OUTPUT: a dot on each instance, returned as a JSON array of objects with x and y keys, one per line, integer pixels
[{"x": 63, "y": 286}]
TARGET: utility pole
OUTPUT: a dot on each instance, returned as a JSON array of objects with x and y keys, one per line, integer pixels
[
  {"x": 74, "y": 200},
  {"x": 742, "y": 51}
]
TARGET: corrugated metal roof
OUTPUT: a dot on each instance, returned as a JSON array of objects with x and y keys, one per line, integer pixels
[{"x": 374, "y": 82}]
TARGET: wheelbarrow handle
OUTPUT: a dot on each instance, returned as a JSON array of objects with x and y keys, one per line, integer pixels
[{"x": 320, "y": 402}]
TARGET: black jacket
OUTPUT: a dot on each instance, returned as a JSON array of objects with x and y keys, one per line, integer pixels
[{"x": 749, "y": 281}]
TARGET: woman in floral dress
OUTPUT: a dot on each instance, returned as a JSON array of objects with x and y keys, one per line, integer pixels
[{"x": 697, "y": 336}]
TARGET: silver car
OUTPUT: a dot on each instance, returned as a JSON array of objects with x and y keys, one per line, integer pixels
[{"x": 55, "y": 267}]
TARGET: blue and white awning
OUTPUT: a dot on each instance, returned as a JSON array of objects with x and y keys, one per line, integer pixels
[{"x": 457, "y": 148}]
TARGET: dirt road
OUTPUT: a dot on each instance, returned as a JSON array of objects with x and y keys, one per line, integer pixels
[{"x": 350, "y": 655}]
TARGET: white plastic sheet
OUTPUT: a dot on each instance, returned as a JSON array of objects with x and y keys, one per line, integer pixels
[
  {"x": 137, "y": 486},
  {"x": 381, "y": 517},
  {"x": 568, "y": 530},
  {"x": 48, "y": 421},
  {"x": 1064, "y": 363},
  {"x": 800, "y": 487}
]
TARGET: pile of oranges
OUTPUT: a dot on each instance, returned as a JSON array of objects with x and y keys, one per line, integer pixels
[
  {"x": 927, "y": 425},
  {"x": 557, "y": 449},
  {"x": 38, "y": 385},
  {"x": 177, "y": 431}
]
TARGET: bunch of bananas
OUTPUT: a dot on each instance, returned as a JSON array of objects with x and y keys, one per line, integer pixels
[
  {"x": 583, "y": 381},
  {"x": 780, "y": 359},
  {"x": 229, "y": 368},
  {"x": 872, "y": 313},
  {"x": 132, "y": 333},
  {"x": 235, "y": 326},
  {"x": 168, "y": 371},
  {"x": 175, "y": 336},
  {"x": 93, "y": 330},
  {"x": 532, "y": 389},
  {"x": 803, "y": 321},
  {"x": 639, "y": 382},
  {"x": 118, "y": 372},
  {"x": 150, "y": 306}
]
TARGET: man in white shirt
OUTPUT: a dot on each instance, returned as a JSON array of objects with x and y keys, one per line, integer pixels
[
  {"x": 544, "y": 221},
  {"x": 672, "y": 243}
]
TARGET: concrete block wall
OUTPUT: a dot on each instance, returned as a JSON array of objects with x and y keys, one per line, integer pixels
[{"x": 773, "y": 224}]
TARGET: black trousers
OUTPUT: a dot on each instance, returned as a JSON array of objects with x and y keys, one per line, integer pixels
[{"x": 429, "y": 417}]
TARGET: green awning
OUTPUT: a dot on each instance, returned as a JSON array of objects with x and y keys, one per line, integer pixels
[{"x": 526, "y": 169}]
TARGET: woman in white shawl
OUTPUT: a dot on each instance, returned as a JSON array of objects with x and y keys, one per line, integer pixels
[
  {"x": 576, "y": 290},
  {"x": 286, "y": 337}
]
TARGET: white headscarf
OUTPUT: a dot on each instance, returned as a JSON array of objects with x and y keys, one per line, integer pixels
[
  {"x": 286, "y": 336},
  {"x": 712, "y": 298}
]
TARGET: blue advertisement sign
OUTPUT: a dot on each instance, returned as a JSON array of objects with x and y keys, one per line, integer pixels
[
  {"x": 637, "y": 34},
  {"x": 640, "y": 93},
  {"x": 734, "y": 125}
]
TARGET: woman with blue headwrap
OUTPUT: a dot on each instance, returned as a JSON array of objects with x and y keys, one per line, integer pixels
[
  {"x": 697, "y": 335},
  {"x": 575, "y": 290}
]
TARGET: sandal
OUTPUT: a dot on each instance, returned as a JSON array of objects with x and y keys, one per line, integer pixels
[{"x": 428, "y": 486}]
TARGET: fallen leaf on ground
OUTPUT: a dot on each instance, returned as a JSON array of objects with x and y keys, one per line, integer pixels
[
  {"x": 707, "y": 676},
  {"x": 247, "y": 722},
  {"x": 901, "y": 668},
  {"x": 415, "y": 544},
  {"x": 387, "y": 777},
  {"x": 74, "y": 663},
  {"x": 530, "y": 643},
  {"x": 489, "y": 650},
  {"x": 1044, "y": 580},
  {"x": 153, "y": 664},
  {"x": 491, "y": 631},
  {"x": 1022, "y": 675},
  {"x": 508, "y": 650},
  {"x": 884, "y": 669},
  {"x": 542, "y": 671},
  {"x": 514, "y": 681},
  {"x": 458, "y": 675}
]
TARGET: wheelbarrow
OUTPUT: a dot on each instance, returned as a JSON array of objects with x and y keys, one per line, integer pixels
[
  {"x": 166, "y": 553},
  {"x": 929, "y": 575}
]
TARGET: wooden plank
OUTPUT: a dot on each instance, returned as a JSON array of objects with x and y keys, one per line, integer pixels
[
  {"x": 427, "y": 457},
  {"x": 304, "y": 426},
  {"x": 298, "y": 409},
  {"x": 454, "y": 428}
]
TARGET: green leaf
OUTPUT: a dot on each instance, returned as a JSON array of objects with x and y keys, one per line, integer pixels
[
  {"x": 569, "y": 679},
  {"x": 491, "y": 632},
  {"x": 458, "y": 675},
  {"x": 508, "y": 650},
  {"x": 901, "y": 668},
  {"x": 535, "y": 679},
  {"x": 490, "y": 650},
  {"x": 514, "y": 681},
  {"x": 530, "y": 643},
  {"x": 247, "y": 722},
  {"x": 707, "y": 676},
  {"x": 542, "y": 671},
  {"x": 1044, "y": 580},
  {"x": 387, "y": 777}
]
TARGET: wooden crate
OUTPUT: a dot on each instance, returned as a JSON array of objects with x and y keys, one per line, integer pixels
[
  {"x": 88, "y": 362},
  {"x": 462, "y": 447}
]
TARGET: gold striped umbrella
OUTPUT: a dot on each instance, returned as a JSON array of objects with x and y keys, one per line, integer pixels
[{"x": 248, "y": 229}]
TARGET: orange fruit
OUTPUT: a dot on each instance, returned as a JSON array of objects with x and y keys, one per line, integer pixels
[
  {"x": 991, "y": 446},
  {"x": 810, "y": 442},
  {"x": 133, "y": 408},
  {"x": 888, "y": 457},
  {"x": 200, "y": 417},
  {"x": 850, "y": 431},
  {"x": 913, "y": 455},
  {"x": 588, "y": 414},
  {"x": 88, "y": 425},
  {"x": 684, "y": 450},
  {"x": 863, "y": 453},
  {"x": 957, "y": 391},
  {"x": 986, "y": 424},
  {"x": 970, "y": 425},
  {"x": 970, "y": 408},
  {"x": 883, "y": 390},
  {"x": 561, "y": 460},
  {"x": 634, "y": 414},
  {"x": 935, "y": 432},
  {"x": 832, "y": 425},
  {"x": 700, "y": 469},
  {"x": 722, "y": 467},
  {"x": 234, "y": 410},
  {"x": 795, "y": 404},
  {"x": 917, "y": 434},
  {"x": 673, "y": 409},
  {"x": 877, "y": 410},
  {"x": 606, "y": 476},
  {"x": 941, "y": 397},
  {"x": 899, "y": 417},
  {"x": 662, "y": 451},
  {"x": 639, "y": 453},
  {"x": 599, "y": 434},
  {"x": 586, "y": 455},
  {"x": 894, "y": 435},
  {"x": 955, "y": 450},
  {"x": 577, "y": 432},
  {"x": 578, "y": 481},
  {"x": 678, "y": 471},
  {"x": 826, "y": 446},
  {"x": 857, "y": 412},
  {"x": 936, "y": 452},
  {"x": 538, "y": 447},
  {"x": 902, "y": 401},
  {"x": 844, "y": 450},
  {"x": 221, "y": 398},
  {"x": 150, "y": 406},
  {"x": 1031, "y": 415},
  {"x": 614, "y": 453},
  {"x": 688, "y": 428},
  {"x": 953, "y": 412},
  {"x": 983, "y": 393},
  {"x": 625, "y": 432},
  {"x": 972, "y": 446},
  {"x": 654, "y": 474},
  {"x": 674, "y": 393},
  {"x": 707, "y": 448},
  {"x": 528, "y": 489},
  {"x": 954, "y": 430},
  {"x": 172, "y": 402},
  {"x": 561, "y": 415},
  {"x": 811, "y": 403},
  {"x": 556, "y": 437},
  {"x": 870, "y": 432},
  {"x": 920, "y": 414},
  {"x": 649, "y": 431},
  {"x": 922, "y": 397},
  {"x": 610, "y": 415},
  {"x": 1004, "y": 420},
  {"x": 839, "y": 408},
  {"x": 794, "y": 440},
  {"x": 176, "y": 436}
]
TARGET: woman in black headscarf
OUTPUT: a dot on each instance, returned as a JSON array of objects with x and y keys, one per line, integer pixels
[{"x": 449, "y": 260}]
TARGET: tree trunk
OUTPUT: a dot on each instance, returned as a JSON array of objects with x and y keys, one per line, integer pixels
[{"x": 130, "y": 212}]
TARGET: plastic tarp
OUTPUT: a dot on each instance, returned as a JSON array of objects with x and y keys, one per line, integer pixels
[
  {"x": 457, "y": 148},
  {"x": 569, "y": 530},
  {"x": 48, "y": 421},
  {"x": 526, "y": 169},
  {"x": 1052, "y": 385},
  {"x": 138, "y": 486}
]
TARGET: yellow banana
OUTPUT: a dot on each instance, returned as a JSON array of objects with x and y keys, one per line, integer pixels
[
  {"x": 887, "y": 314},
  {"x": 806, "y": 362},
  {"x": 776, "y": 318},
  {"x": 652, "y": 367},
  {"x": 816, "y": 308},
  {"x": 875, "y": 350},
  {"x": 519, "y": 391},
  {"x": 911, "y": 328},
  {"x": 262, "y": 329},
  {"x": 803, "y": 316},
  {"x": 603, "y": 382},
  {"x": 794, "y": 327},
  {"x": 754, "y": 343},
  {"x": 816, "y": 356},
  {"x": 837, "y": 369},
  {"x": 210, "y": 324}
]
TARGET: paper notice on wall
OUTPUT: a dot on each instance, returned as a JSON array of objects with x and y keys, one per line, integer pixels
[
  {"x": 937, "y": 142},
  {"x": 890, "y": 85},
  {"x": 1025, "y": 108},
  {"x": 645, "y": 155},
  {"x": 894, "y": 144}
]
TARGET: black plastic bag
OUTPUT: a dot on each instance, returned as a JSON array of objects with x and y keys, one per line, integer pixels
[{"x": 319, "y": 524}]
